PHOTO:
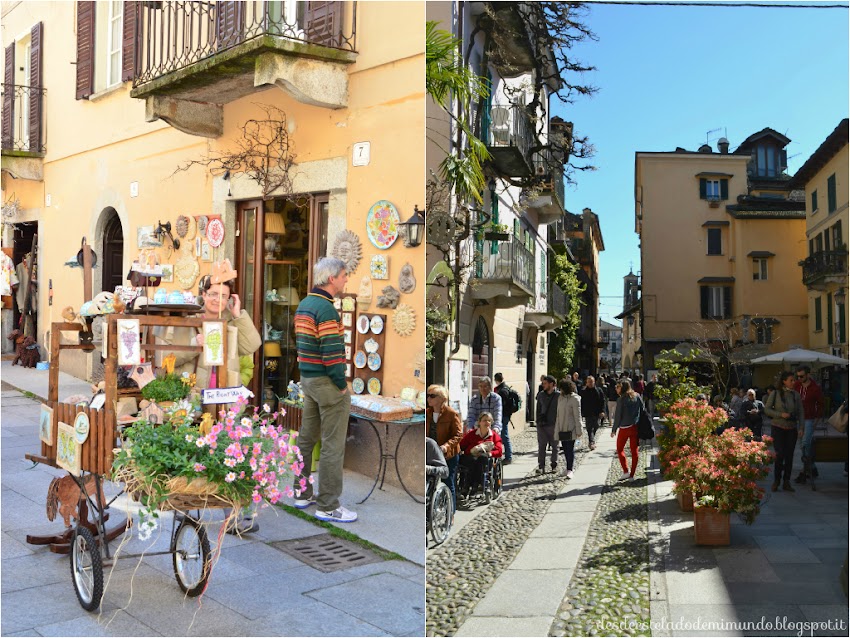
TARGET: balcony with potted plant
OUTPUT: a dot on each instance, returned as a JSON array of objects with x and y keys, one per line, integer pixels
[{"x": 503, "y": 272}]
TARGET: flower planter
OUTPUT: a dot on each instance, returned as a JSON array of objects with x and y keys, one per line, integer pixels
[
  {"x": 685, "y": 501},
  {"x": 711, "y": 527}
]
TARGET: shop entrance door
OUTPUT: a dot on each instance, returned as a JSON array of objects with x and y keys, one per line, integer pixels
[{"x": 113, "y": 254}]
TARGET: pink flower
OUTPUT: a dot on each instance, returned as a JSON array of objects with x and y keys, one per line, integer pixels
[
  {"x": 230, "y": 462},
  {"x": 230, "y": 477},
  {"x": 256, "y": 497},
  {"x": 199, "y": 467},
  {"x": 200, "y": 442}
]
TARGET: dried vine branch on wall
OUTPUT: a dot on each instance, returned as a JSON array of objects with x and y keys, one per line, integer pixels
[{"x": 264, "y": 152}]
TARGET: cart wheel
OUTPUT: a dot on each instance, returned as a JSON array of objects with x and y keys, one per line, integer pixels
[
  {"x": 192, "y": 559},
  {"x": 86, "y": 568},
  {"x": 441, "y": 513}
]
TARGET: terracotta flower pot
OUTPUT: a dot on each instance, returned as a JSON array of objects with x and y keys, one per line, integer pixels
[
  {"x": 711, "y": 527},
  {"x": 686, "y": 501}
]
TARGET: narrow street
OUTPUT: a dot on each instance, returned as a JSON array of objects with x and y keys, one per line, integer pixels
[{"x": 594, "y": 556}]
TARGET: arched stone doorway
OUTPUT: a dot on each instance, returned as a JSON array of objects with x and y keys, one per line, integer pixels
[
  {"x": 112, "y": 253},
  {"x": 481, "y": 352}
]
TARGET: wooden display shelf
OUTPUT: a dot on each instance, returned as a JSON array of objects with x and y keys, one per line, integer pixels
[{"x": 291, "y": 262}]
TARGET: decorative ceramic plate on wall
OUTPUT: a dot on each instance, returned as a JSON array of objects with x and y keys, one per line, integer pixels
[
  {"x": 374, "y": 386},
  {"x": 371, "y": 346},
  {"x": 348, "y": 304},
  {"x": 360, "y": 359},
  {"x": 203, "y": 221},
  {"x": 215, "y": 233},
  {"x": 374, "y": 361},
  {"x": 382, "y": 224},
  {"x": 358, "y": 385},
  {"x": 377, "y": 325},
  {"x": 363, "y": 324}
]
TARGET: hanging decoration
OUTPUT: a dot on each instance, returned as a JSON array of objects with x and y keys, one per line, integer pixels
[
  {"x": 186, "y": 227},
  {"x": 67, "y": 449},
  {"x": 406, "y": 280},
  {"x": 364, "y": 295},
  {"x": 203, "y": 220},
  {"x": 347, "y": 247},
  {"x": 186, "y": 270},
  {"x": 390, "y": 298},
  {"x": 213, "y": 341},
  {"x": 129, "y": 349},
  {"x": 404, "y": 320},
  {"x": 382, "y": 224},
  {"x": 215, "y": 233},
  {"x": 379, "y": 267}
]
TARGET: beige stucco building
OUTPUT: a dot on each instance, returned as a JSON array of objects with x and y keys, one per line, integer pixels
[{"x": 720, "y": 241}]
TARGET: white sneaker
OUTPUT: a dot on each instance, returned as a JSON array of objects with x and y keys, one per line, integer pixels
[
  {"x": 624, "y": 476},
  {"x": 304, "y": 503},
  {"x": 339, "y": 515},
  {"x": 569, "y": 474}
]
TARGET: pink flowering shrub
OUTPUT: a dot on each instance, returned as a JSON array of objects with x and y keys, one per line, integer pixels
[
  {"x": 721, "y": 471},
  {"x": 244, "y": 454}
]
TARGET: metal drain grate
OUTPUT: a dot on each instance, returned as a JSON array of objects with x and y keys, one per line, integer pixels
[{"x": 327, "y": 553}]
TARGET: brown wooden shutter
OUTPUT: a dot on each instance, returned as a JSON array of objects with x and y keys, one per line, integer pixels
[
  {"x": 230, "y": 17},
  {"x": 85, "y": 49},
  {"x": 36, "y": 81},
  {"x": 129, "y": 64},
  {"x": 323, "y": 23},
  {"x": 9, "y": 98}
]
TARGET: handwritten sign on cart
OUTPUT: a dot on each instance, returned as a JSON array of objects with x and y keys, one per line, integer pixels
[{"x": 225, "y": 395}]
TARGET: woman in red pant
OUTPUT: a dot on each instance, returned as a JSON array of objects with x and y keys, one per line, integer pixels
[{"x": 629, "y": 407}]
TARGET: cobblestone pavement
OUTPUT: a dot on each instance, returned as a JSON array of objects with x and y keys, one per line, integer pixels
[
  {"x": 611, "y": 581},
  {"x": 464, "y": 568}
]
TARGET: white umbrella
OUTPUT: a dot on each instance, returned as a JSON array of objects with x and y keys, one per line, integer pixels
[{"x": 800, "y": 355}]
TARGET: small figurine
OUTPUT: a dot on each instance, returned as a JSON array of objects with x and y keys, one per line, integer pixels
[{"x": 26, "y": 349}]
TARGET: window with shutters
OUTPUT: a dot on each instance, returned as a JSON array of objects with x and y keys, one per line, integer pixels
[
  {"x": 713, "y": 240},
  {"x": 837, "y": 240},
  {"x": 818, "y": 314},
  {"x": 716, "y": 302},
  {"x": 764, "y": 333},
  {"x": 829, "y": 318},
  {"x": 814, "y": 201},
  {"x": 760, "y": 269},
  {"x": 114, "y": 41},
  {"x": 830, "y": 194},
  {"x": 770, "y": 160},
  {"x": 713, "y": 189}
]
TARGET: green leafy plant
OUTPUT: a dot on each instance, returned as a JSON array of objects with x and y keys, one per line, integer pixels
[
  {"x": 241, "y": 458},
  {"x": 562, "y": 346},
  {"x": 675, "y": 381},
  {"x": 169, "y": 387},
  {"x": 436, "y": 328}
]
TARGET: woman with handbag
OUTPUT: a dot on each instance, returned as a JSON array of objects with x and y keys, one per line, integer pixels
[
  {"x": 568, "y": 422},
  {"x": 629, "y": 408},
  {"x": 785, "y": 408}
]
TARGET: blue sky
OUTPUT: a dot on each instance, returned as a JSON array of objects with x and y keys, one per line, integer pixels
[{"x": 668, "y": 75}]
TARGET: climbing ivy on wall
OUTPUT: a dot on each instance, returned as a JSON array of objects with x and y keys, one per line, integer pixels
[{"x": 562, "y": 345}]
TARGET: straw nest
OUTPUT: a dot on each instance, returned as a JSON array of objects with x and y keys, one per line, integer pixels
[{"x": 179, "y": 492}]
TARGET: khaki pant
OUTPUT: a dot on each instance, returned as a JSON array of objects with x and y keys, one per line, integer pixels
[{"x": 325, "y": 419}]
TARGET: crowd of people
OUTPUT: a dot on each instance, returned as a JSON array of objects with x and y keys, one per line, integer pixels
[{"x": 564, "y": 409}]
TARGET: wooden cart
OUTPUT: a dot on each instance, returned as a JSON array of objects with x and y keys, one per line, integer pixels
[{"x": 88, "y": 541}]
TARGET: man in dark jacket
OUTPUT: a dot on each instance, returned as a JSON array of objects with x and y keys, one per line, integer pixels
[
  {"x": 547, "y": 410},
  {"x": 592, "y": 408}
]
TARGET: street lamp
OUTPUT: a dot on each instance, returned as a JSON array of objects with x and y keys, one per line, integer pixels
[
  {"x": 415, "y": 227},
  {"x": 840, "y": 297}
]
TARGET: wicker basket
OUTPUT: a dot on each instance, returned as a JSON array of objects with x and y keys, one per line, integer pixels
[
  {"x": 711, "y": 527},
  {"x": 181, "y": 494}
]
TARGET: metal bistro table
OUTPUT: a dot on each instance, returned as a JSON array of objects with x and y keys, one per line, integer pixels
[{"x": 386, "y": 457}]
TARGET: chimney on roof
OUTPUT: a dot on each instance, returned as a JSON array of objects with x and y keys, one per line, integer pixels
[
  {"x": 705, "y": 148},
  {"x": 723, "y": 145}
]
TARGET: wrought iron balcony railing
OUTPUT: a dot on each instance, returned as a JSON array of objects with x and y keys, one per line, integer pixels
[
  {"x": 550, "y": 173},
  {"x": 508, "y": 126},
  {"x": 172, "y": 35},
  {"x": 550, "y": 300},
  {"x": 827, "y": 263},
  {"x": 23, "y": 123},
  {"x": 507, "y": 260}
]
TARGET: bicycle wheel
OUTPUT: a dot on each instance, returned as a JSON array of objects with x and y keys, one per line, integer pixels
[
  {"x": 192, "y": 559},
  {"x": 441, "y": 513},
  {"x": 86, "y": 568}
]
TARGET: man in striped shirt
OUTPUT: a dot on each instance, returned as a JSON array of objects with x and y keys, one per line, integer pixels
[{"x": 327, "y": 404}]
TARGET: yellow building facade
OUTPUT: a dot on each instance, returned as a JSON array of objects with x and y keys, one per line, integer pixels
[
  {"x": 720, "y": 243},
  {"x": 117, "y": 120},
  {"x": 824, "y": 270}
]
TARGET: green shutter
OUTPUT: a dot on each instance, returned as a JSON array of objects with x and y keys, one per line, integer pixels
[
  {"x": 724, "y": 189},
  {"x": 727, "y": 302},
  {"x": 829, "y": 318},
  {"x": 814, "y": 200},
  {"x": 842, "y": 324},
  {"x": 702, "y": 187},
  {"x": 818, "y": 314},
  {"x": 830, "y": 193}
]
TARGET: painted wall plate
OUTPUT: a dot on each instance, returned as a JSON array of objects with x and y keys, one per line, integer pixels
[
  {"x": 358, "y": 385},
  {"x": 360, "y": 359},
  {"x": 81, "y": 427},
  {"x": 374, "y": 386},
  {"x": 371, "y": 346},
  {"x": 382, "y": 224},
  {"x": 379, "y": 267},
  {"x": 374, "y": 361},
  {"x": 363, "y": 324},
  {"x": 215, "y": 233},
  {"x": 377, "y": 325}
]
